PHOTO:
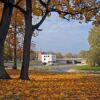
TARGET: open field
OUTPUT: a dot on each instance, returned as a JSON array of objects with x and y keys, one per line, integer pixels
[
  {"x": 51, "y": 86},
  {"x": 87, "y": 68}
]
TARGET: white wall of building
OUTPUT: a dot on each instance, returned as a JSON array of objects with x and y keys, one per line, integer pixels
[{"x": 48, "y": 58}]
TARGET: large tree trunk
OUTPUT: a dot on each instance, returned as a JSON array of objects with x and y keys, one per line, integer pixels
[
  {"x": 3, "y": 73},
  {"x": 4, "y": 26},
  {"x": 26, "y": 57},
  {"x": 27, "y": 41},
  {"x": 27, "y": 38}
]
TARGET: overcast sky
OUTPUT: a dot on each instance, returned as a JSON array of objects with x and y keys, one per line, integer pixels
[{"x": 59, "y": 35}]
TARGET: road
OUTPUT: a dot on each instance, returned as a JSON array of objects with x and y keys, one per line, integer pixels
[
  {"x": 55, "y": 68},
  {"x": 62, "y": 68}
]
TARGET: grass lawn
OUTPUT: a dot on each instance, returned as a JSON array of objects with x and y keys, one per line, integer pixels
[
  {"x": 87, "y": 68},
  {"x": 51, "y": 86}
]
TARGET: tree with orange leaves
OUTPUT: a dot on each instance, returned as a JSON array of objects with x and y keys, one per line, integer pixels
[
  {"x": 83, "y": 10},
  {"x": 86, "y": 10}
]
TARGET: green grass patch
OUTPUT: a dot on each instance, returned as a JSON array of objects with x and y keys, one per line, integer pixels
[{"x": 87, "y": 68}]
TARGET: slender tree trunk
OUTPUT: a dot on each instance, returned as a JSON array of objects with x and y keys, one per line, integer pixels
[
  {"x": 4, "y": 26},
  {"x": 26, "y": 57},
  {"x": 27, "y": 41},
  {"x": 15, "y": 57},
  {"x": 15, "y": 42}
]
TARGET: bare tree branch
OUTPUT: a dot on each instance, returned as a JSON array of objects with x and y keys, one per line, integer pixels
[
  {"x": 44, "y": 17},
  {"x": 14, "y": 5},
  {"x": 41, "y": 21},
  {"x": 43, "y": 3},
  {"x": 17, "y": 3}
]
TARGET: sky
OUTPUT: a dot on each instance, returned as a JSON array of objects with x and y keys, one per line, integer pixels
[{"x": 60, "y": 35}]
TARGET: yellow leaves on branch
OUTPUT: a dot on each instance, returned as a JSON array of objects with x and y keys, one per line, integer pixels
[
  {"x": 70, "y": 9},
  {"x": 37, "y": 9},
  {"x": 77, "y": 1},
  {"x": 17, "y": 18},
  {"x": 37, "y": 12}
]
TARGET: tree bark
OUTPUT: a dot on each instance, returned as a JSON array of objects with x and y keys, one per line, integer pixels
[
  {"x": 27, "y": 41},
  {"x": 4, "y": 26},
  {"x": 15, "y": 47},
  {"x": 3, "y": 73},
  {"x": 29, "y": 29}
]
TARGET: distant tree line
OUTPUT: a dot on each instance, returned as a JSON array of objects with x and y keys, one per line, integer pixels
[
  {"x": 94, "y": 42},
  {"x": 93, "y": 54}
]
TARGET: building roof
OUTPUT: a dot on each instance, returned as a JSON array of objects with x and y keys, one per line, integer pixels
[{"x": 48, "y": 53}]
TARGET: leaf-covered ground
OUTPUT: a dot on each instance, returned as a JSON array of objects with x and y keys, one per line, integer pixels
[{"x": 51, "y": 86}]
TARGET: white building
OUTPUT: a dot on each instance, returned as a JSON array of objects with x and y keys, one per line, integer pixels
[{"x": 48, "y": 58}]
